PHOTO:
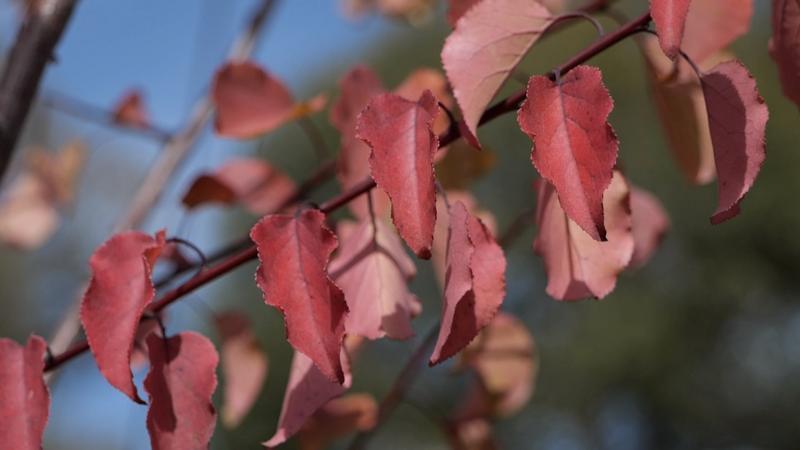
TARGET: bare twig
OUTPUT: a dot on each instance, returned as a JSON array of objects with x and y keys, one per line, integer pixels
[{"x": 36, "y": 40}]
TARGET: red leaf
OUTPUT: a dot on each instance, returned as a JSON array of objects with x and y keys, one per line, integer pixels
[
  {"x": 130, "y": 110},
  {"x": 578, "y": 266},
  {"x": 338, "y": 417},
  {"x": 294, "y": 253},
  {"x": 650, "y": 224},
  {"x": 712, "y": 25},
  {"x": 785, "y": 45},
  {"x": 738, "y": 119},
  {"x": 488, "y": 43},
  {"x": 357, "y": 88},
  {"x": 670, "y": 19},
  {"x": 24, "y": 399},
  {"x": 308, "y": 390},
  {"x": 118, "y": 293},
  {"x": 180, "y": 384},
  {"x": 474, "y": 286},
  {"x": 256, "y": 184},
  {"x": 681, "y": 108},
  {"x": 400, "y": 134},
  {"x": 244, "y": 366},
  {"x": 373, "y": 270},
  {"x": 250, "y": 101},
  {"x": 577, "y": 148},
  {"x": 457, "y": 9}
]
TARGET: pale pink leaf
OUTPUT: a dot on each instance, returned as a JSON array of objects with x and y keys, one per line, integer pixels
[{"x": 650, "y": 224}]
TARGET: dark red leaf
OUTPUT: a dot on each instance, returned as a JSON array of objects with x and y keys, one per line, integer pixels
[
  {"x": 24, "y": 399},
  {"x": 489, "y": 41},
  {"x": 785, "y": 45},
  {"x": 244, "y": 366},
  {"x": 254, "y": 183},
  {"x": 578, "y": 266},
  {"x": 738, "y": 118},
  {"x": 474, "y": 286},
  {"x": 118, "y": 293},
  {"x": 403, "y": 144},
  {"x": 180, "y": 384},
  {"x": 575, "y": 148},
  {"x": 294, "y": 253},
  {"x": 308, "y": 390},
  {"x": 670, "y": 19}
]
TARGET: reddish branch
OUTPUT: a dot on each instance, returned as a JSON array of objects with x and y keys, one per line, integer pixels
[
  {"x": 507, "y": 105},
  {"x": 36, "y": 40}
]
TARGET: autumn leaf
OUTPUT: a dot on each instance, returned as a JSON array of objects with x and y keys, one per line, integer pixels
[
  {"x": 244, "y": 365},
  {"x": 118, "y": 293},
  {"x": 712, "y": 25},
  {"x": 738, "y": 118},
  {"x": 24, "y": 398},
  {"x": 130, "y": 110},
  {"x": 670, "y": 19},
  {"x": 575, "y": 148},
  {"x": 577, "y": 265},
  {"x": 403, "y": 144},
  {"x": 180, "y": 383},
  {"x": 422, "y": 79},
  {"x": 650, "y": 224},
  {"x": 474, "y": 286},
  {"x": 307, "y": 391},
  {"x": 257, "y": 185},
  {"x": 250, "y": 101},
  {"x": 785, "y": 45},
  {"x": 294, "y": 253},
  {"x": 339, "y": 417},
  {"x": 681, "y": 108},
  {"x": 357, "y": 88},
  {"x": 442, "y": 230},
  {"x": 488, "y": 43},
  {"x": 30, "y": 208},
  {"x": 373, "y": 270}
]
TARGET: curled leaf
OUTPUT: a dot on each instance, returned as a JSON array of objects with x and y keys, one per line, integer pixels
[
  {"x": 294, "y": 253},
  {"x": 308, "y": 390},
  {"x": 670, "y": 19},
  {"x": 578, "y": 266},
  {"x": 575, "y": 148},
  {"x": 400, "y": 134},
  {"x": 738, "y": 118},
  {"x": 474, "y": 286},
  {"x": 373, "y": 270},
  {"x": 488, "y": 43},
  {"x": 119, "y": 291},
  {"x": 180, "y": 384},
  {"x": 244, "y": 365},
  {"x": 24, "y": 398},
  {"x": 257, "y": 185},
  {"x": 785, "y": 45}
]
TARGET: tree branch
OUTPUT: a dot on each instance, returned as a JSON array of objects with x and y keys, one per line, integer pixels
[
  {"x": 36, "y": 40},
  {"x": 502, "y": 107}
]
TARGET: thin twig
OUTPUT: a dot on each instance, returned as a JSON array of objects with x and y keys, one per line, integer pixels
[
  {"x": 78, "y": 108},
  {"x": 33, "y": 49}
]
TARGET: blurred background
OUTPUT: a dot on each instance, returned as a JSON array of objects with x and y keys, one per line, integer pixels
[{"x": 699, "y": 349}]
